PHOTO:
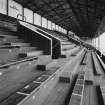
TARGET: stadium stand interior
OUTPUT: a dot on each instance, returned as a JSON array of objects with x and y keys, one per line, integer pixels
[{"x": 46, "y": 62}]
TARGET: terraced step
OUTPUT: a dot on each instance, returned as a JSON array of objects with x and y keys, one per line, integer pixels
[{"x": 20, "y": 44}]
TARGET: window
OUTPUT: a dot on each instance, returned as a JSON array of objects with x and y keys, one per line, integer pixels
[
  {"x": 53, "y": 26},
  {"x": 14, "y": 9},
  {"x": 65, "y": 31},
  {"x": 37, "y": 19},
  {"x": 3, "y": 6},
  {"x": 44, "y": 22},
  {"x": 60, "y": 29},
  {"x": 49, "y": 25},
  {"x": 28, "y": 14},
  {"x": 57, "y": 27}
]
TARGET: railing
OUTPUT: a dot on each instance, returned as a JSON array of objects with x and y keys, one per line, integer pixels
[{"x": 23, "y": 17}]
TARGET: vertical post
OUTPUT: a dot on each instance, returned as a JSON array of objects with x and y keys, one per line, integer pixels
[
  {"x": 41, "y": 21},
  {"x": 23, "y": 13},
  {"x": 67, "y": 32},
  {"x": 51, "y": 25},
  {"x": 55, "y": 26},
  {"x": 33, "y": 17},
  {"x": 47, "y": 23},
  {"x": 99, "y": 42},
  {"x": 7, "y": 7}
]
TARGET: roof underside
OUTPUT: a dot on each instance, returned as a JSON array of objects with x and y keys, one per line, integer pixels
[{"x": 81, "y": 16}]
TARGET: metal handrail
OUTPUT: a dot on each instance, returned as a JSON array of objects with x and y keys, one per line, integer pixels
[{"x": 23, "y": 17}]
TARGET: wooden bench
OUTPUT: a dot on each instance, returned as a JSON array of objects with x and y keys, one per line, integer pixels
[
  {"x": 77, "y": 94},
  {"x": 89, "y": 78},
  {"x": 75, "y": 100},
  {"x": 13, "y": 99},
  {"x": 101, "y": 94},
  {"x": 63, "y": 56},
  {"x": 96, "y": 65},
  {"x": 43, "y": 61},
  {"x": 64, "y": 77},
  {"x": 101, "y": 63}
]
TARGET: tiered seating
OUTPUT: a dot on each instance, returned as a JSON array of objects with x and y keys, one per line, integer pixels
[
  {"x": 54, "y": 33},
  {"x": 8, "y": 23},
  {"x": 26, "y": 76},
  {"x": 29, "y": 70},
  {"x": 67, "y": 47},
  {"x": 45, "y": 86},
  {"x": 56, "y": 36},
  {"x": 12, "y": 48},
  {"x": 38, "y": 78},
  {"x": 73, "y": 51}
]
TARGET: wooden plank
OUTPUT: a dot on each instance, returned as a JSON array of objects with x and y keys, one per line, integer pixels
[
  {"x": 88, "y": 78},
  {"x": 78, "y": 89},
  {"x": 75, "y": 100},
  {"x": 103, "y": 94},
  {"x": 97, "y": 65},
  {"x": 90, "y": 95},
  {"x": 57, "y": 95}
]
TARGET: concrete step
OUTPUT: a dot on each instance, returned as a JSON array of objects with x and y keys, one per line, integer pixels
[
  {"x": 71, "y": 51},
  {"x": 20, "y": 44},
  {"x": 67, "y": 46},
  {"x": 43, "y": 61},
  {"x": 8, "y": 36},
  {"x": 65, "y": 42},
  {"x": 34, "y": 53},
  {"x": 10, "y": 40}
]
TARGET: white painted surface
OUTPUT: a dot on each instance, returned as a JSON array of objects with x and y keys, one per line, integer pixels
[
  {"x": 35, "y": 53},
  {"x": 53, "y": 26},
  {"x": 60, "y": 28},
  {"x": 3, "y": 6},
  {"x": 57, "y": 28},
  {"x": 29, "y": 15},
  {"x": 20, "y": 44},
  {"x": 14, "y": 9},
  {"x": 44, "y": 22},
  {"x": 102, "y": 42},
  {"x": 49, "y": 25},
  {"x": 37, "y": 19}
]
